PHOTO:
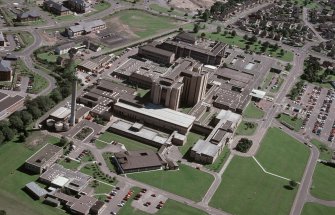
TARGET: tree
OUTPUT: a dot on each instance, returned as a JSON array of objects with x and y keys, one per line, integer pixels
[
  {"x": 288, "y": 67},
  {"x": 245, "y": 37},
  {"x": 35, "y": 111},
  {"x": 196, "y": 28},
  {"x": 247, "y": 47},
  {"x": 205, "y": 15},
  {"x": 293, "y": 183},
  {"x": 253, "y": 39},
  {"x": 243, "y": 145},
  {"x": 16, "y": 122},
  {"x": 281, "y": 52},
  {"x": 3, "y": 212},
  {"x": 2, "y": 137},
  {"x": 26, "y": 117},
  {"x": 218, "y": 29},
  {"x": 8, "y": 133},
  {"x": 203, "y": 35},
  {"x": 56, "y": 96},
  {"x": 233, "y": 33},
  {"x": 63, "y": 141}
]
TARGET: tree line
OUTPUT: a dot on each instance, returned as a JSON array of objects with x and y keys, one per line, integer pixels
[{"x": 18, "y": 123}]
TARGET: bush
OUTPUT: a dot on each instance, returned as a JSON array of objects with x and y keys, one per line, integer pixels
[{"x": 243, "y": 145}]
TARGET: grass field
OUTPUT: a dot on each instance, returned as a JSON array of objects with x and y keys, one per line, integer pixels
[
  {"x": 49, "y": 56},
  {"x": 282, "y": 154},
  {"x": 294, "y": 123},
  {"x": 325, "y": 152},
  {"x": 323, "y": 182},
  {"x": 253, "y": 112},
  {"x": 243, "y": 129},
  {"x": 93, "y": 170},
  {"x": 39, "y": 83},
  {"x": 192, "y": 138},
  {"x": 181, "y": 182},
  {"x": 144, "y": 24},
  {"x": 12, "y": 180},
  {"x": 70, "y": 164},
  {"x": 316, "y": 209},
  {"x": 99, "y": 144},
  {"x": 108, "y": 159},
  {"x": 256, "y": 47},
  {"x": 267, "y": 80},
  {"x": 99, "y": 7},
  {"x": 128, "y": 143},
  {"x": 65, "y": 18},
  {"x": 102, "y": 189},
  {"x": 246, "y": 190},
  {"x": 26, "y": 38},
  {"x": 161, "y": 9}
]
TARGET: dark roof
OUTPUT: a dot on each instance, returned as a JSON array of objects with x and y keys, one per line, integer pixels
[
  {"x": 9, "y": 101},
  {"x": 11, "y": 57},
  {"x": 97, "y": 206},
  {"x": 55, "y": 5},
  {"x": 186, "y": 36},
  {"x": 2, "y": 95},
  {"x": 155, "y": 50},
  {"x": 33, "y": 14},
  {"x": 137, "y": 159}
]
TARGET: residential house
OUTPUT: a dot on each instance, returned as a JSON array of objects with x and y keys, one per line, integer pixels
[
  {"x": 28, "y": 16},
  {"x": 5, "y": 70},
  {"x": 79, "y": 6},
  {"x": 55, "y": 7}
]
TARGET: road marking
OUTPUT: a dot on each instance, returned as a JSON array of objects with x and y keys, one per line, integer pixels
[{"x": 264, "y": 170}]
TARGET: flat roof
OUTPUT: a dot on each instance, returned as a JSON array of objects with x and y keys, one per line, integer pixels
[
  {"x": 36, "y": 189},
  {"x": 257, "y": 93},
  {"x": 61, "y": 113},
  {"x": 205, "y": 148},
  {"x": 60, "y": 181},
  {"x": 138, "y": 159},
  {"x": 43, "y": 155},
  {"x": 162, "y": 113}
]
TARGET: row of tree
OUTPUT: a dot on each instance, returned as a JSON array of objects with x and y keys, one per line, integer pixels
[{"x": 313, "y": 71}]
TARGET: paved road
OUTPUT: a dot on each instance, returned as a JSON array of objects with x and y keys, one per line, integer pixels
[{"x": 305, "y": 19}]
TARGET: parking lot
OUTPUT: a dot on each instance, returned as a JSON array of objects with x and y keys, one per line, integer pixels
[
  {"x": 317, "y": 111},
  {"x": 148, "y": 201}
]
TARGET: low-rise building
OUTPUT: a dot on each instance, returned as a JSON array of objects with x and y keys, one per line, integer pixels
[
  {"x": 82, "y": 28},
  {"x": 5, "y": 70},
  {"x": 35, "y": 190},
  {"x": 63, "y": 49},
  {"x": 43, "y": 158},
  {"x": 78, "y": 6},
  {"x": 2, "y": 40},
  {"x": 28, "y": 16},
  {"x": 137, "y": 161},
  {"x": 55, "y": 7}
]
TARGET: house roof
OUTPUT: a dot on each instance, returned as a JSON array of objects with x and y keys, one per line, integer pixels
[
  {"x": 5, "y": 66},
  {"x": 27, "y": 14}
]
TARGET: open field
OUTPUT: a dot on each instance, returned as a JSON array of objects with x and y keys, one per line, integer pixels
[
  {"x": 70, "y": 164},
  {"x": 253, "y": 112},
  {"x": 316, "y": 209},
  {"x": 282, "y": 154},
  {"x": 244, "y": 129},
  {"x": 256, "y": 47},
  {"x": 325, "y": 152},
  {"x": 166, "y": 10},
  {"x": 12, "y": 180},
  {"x": 192, "y": 138},
  {"x": 323, "y": 182},
  {"x": 128, "y": 143},
  {"x": 291, "y": 121},
  {"x": 181, "y": 182},
  {"x": 246, "y": 190},
  {"x": 98, "y": 8},
  {"x": 143, "y": 24}
]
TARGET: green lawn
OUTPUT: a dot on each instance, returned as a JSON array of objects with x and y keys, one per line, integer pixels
[
  {"x": 220, "y": 161},
  {"x": 187, "y": 181},
  {"x": 99, "y": 144},
  {"x": 282, "y": 154},
  {"x": 256, "y": 47},
  {"x": 325, "y": 152},
  {"x": 246, "y": 190},
  {"x": 316, "y": 209},
  {"x": 12, "y": 198},
  {"x": 130, "y": 144},
  {"x": 99, "y": 7},
  {"x": 94, "y": 170},
  {"x": 253, "y": 112},
  {"x": 102, "y": 189},
  {"x": 267, "y": 80},
  {"x": 161, "y": 9},
  {"x": 49, "y": 56},
  {"x": 243, "y": 129},
  {"x": 323, "y": 182},
  {"x": 108, "y": 159},
  {"x": 39, "y": 82},
  {"x": 185, "y": 109},
  {"x": 65, "y": 17},
  {"x": 70, "y": 164},
  {"x": 26, "y": 37},
  {"x": 290, "y": 121},
  {"x": 192, "y": 138},
  {"x": 144, "y": 24},
  {"x": 142, "y": 92}
]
